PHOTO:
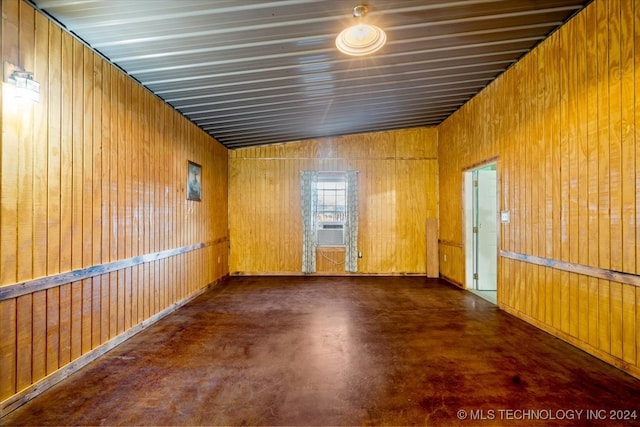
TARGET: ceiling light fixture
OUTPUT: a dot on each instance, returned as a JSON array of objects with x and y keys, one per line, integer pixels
[{"x": 362, "y": 38}]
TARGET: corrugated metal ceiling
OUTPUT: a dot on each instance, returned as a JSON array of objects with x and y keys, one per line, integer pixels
[{"x": 253, "y": 73}]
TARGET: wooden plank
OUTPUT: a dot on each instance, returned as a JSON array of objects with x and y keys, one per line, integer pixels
[
  {"x": 615, "y": 137},
  {"x": 127, "y": 300},
  {"x": 593, "y": 312},
  {"x": 555, "y": 208},
  {"x": 586, "y": 270},
  {"x": 120, "y": 302},
  {"x": 40, "y": 154},
  {"x": 330, "y": 260},
  {"x": 135, "y": 199},
  {"x": 54, "y": 152},
  {"x": 602, "y": 64},
  {"x": 8, "y": 348},
  {"x": 97, "y": 208},
  {"x": 566, "y": 134},
  {"x": 77, "y": 156},
  {"x": 39, "y": 336},
  {"x": 25, "y": 153},
  {"x": 629, "y": 220},
  {"x": 65, "y": 325},
  {"x": 62, "y": 199},
  {"x": 86, "y": 318},
  {"x": 629, "y": 333},
  {"x": 114, "y": 222},
  {"x": 604, "y": 317},
  {"x": 105, "y": 213},
  {"x": 549, "y": 297},
  {"x": 113, "y": 304},
  {"x": 24, "y": 341},
  {"x": 126, "y": 207},
  {"x": 54, "y": 280},
  {"x": 147, "y": 197},
  {"x": 76, "y": 311},
  {"x": 581, "y": 254},
  {"x": 616, "y": 319},
  {"x": 637, "y": 325},
  {"x": 53, "y": 330},
  {"x": 105, "y": 161},
  {"x": 104, "y": 307},
  {"x": 9, "y": 153},
  {"x": 636, "y": 26},
  {"x": 87, "y": 194},
  {"x": 71, "y": 146},
  {"x": 593, "y": 168}
]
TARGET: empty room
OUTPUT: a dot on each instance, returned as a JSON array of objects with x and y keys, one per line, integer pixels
[{"x": 309, "y": 212}]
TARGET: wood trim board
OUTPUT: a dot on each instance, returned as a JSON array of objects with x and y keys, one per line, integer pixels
[
  {"x": 600, "y": 273},
  {"x": 43, "y": 283}
]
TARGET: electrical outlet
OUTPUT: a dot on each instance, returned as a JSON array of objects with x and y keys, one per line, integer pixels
[{"x": 360, "y": 254}]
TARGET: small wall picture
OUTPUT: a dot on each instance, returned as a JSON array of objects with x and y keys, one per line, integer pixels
[{"x": 194, "y": 181}]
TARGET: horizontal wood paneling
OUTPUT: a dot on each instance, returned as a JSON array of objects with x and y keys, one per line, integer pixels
[
  {"x": 562, "y": 124},
  {"x": 397, "y": 193},
  {"x": 92, "y": 176}
]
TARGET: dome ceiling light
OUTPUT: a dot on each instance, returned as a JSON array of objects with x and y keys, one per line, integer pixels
[{"x": 360, "y": 39}]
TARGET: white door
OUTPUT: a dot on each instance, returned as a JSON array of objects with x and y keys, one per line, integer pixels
[{"x": 487, "y": 230}]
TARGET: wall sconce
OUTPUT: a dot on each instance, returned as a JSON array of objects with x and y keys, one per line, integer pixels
[{"x": 26, "y": 87}]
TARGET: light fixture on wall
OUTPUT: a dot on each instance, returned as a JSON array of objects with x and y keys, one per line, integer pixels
[
  {"x": 363, "y": 38},
  {"x": 25, "y": 86}
]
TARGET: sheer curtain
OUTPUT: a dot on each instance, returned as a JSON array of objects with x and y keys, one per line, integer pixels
[
  {"x": 309, "y": 201},
  {"x": 351, "y": 231}
]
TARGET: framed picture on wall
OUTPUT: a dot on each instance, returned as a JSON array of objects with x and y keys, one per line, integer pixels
[{"x": 194, "y": 181}]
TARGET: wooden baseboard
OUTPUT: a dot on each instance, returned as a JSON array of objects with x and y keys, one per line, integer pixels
[
  {"x": 322, "y": 274},
  {"x": 14, "y": 402}
]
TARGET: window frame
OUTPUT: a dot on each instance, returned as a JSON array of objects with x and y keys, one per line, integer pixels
[{"x": 339, "y": 216}]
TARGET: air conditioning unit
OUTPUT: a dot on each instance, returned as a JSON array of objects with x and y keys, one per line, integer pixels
[{"x": 331, "y": 234}]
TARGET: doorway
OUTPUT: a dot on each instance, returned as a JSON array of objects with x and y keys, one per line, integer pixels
[{"x": 481, "y": 231}]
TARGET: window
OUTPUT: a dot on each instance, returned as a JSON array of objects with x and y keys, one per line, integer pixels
[
  {"x": 332, "y": 201},
  {"x": 331, "y": 209}
]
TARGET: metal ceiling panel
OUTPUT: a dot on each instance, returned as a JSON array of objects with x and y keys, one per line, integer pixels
[{"x": 253, "y": 73}]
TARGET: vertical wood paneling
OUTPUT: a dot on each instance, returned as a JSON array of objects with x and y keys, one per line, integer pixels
[
  {"x": 9, "y": 153},
  {"x": 25, "y": 155},
  {"x": 636, "y": 42},
  {"x": 8, "y": 326},
  {"x": 53, "y": 91},
  {"x": 593, "y": 169},
  {"x": 97, "y": 171},
  {"x": 574, "y": 196},
  {"x": 397, "y": 193}
]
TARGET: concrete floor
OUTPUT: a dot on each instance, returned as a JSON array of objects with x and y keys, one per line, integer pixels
[{"x": 339, "y": 351}]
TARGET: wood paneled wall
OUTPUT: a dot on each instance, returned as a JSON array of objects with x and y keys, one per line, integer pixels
[
  {"x": 397, "y": 191},
  {"x": 94, "y": 176},
  {"x": 563, "y": 123}
]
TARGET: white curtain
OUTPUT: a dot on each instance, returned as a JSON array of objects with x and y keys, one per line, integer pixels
[
  {"x": 309, "y": 203},
  {"x": 351, "y": 236}
]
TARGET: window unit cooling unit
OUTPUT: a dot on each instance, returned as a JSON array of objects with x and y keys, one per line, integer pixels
[{"x": 331, "y": 234}]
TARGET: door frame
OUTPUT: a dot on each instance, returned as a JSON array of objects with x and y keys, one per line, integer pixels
[{"x": 469, "y": 255}]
